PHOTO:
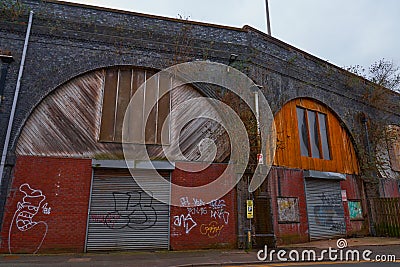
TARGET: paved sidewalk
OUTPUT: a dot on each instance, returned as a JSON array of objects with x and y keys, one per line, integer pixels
[
  {"x": 147, "y": 259},
  {"x": 184, "y": 258}
]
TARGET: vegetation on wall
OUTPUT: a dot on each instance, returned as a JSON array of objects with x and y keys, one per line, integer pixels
[
  {"x": 11, "y": 9},
  {"x": 374, "y": 139},
  {"x": 382, "y": 72}
]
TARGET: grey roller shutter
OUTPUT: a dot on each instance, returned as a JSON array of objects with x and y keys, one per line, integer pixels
[
  {"x": 325, "y": 209},
  {"x": 122, "y": 216}
]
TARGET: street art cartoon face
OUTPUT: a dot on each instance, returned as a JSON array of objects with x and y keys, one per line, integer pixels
[
  {"x": 29, "y": 207},
  {"x": 24, "y": 223}
]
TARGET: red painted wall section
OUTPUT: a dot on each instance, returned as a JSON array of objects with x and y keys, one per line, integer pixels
[
  {"x": 46, "y": 209},
  {"x": 289, "y": 183},
  {"x": 354, "y": 192},
  {"x": 389, "y": 188},
  {"x": 207, "y": 224}
]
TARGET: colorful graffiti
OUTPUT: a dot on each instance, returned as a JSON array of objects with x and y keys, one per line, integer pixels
[
  {"x": 330, "y": 217},
  {"x": 288, "y": 209},
  {"x": 355, "y": 210},
  {"x": 212, "y": 230}
]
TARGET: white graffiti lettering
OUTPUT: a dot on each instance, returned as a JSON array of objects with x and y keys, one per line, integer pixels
[
  {"x": 185, "y": 221},
  {"x": 185, "y": 201},
  {"x": 198, "y": 202},
  {"x": 217, "y": 204},
  {"x": 46, "y": 210},
  {"x": 220, "y": 214},
  {"x": 197, "y": 210}
]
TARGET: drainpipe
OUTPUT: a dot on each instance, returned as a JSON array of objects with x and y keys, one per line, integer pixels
[
  {"x": 364, "y": 121},
  {"x": 257, "y": 110},
  {"x": 6, "y": 59},
  {"x": 14, "y": 105}
]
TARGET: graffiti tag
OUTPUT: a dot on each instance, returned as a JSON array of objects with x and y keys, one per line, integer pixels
[
  {"x": 211, "y": 230},
  {"x": 185, "y": 221},
  {"x": 130, "y": 212}
]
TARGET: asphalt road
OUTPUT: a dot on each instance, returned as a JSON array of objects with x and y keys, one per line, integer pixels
[
  {"x": 192, "y": 258},
  {"x": 328, "y": 264}
]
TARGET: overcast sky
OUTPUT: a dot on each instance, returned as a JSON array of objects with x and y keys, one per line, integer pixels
[{"x": 343, "y": 32}]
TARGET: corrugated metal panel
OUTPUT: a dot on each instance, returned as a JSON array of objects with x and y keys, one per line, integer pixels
[
  {"x": 122, "y": 216},
  {"x": 325, "y": 209}
]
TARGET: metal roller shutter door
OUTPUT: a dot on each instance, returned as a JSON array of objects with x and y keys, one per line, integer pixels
[
  {"x": 325, "y": 209},
  {"x": 122, "y": 216}
]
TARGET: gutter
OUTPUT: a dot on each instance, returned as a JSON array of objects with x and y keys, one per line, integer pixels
[{"x": 16, "y": 94}]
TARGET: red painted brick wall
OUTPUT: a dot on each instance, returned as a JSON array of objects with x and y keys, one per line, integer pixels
[
  {"x": 354, "y": 192},
  {"x": 289, "y": 183},
  {"x": 56, "y": 192},
  {"x": 208, "y": 225}
]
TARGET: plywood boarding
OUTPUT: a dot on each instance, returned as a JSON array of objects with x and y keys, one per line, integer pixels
[
  {"x": 67, "y": 123},
  {"x": 288, "y": 154},
  {"x": 107, "y": 117},
  {"x": 123, "y": 98}
]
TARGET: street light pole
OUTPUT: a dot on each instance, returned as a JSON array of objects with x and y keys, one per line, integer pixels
[{"x": 268, "y": 20}]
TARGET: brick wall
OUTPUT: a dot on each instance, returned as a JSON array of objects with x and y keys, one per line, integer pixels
[
  {"x": 59, "y": 189},
  {"x": 68, "y": 40},
  {"x": 289, "y": 183},
  {"x": 207, "y": 225},
  {"x": 354, "y": 192}
]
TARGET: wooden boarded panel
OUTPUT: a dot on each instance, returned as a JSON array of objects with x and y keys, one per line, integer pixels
[
  {"x": 68, "y": 121},
  {"x": 123, "y": 97},
  {"x": 135, "y": 116},
  {"x": 150, "y": 110},
  {"x": 109, "y": 98},
  {"x": 164, "y": 106},
  {"x": 385, "y": 212},
  {"x": 343, "y": 156}
]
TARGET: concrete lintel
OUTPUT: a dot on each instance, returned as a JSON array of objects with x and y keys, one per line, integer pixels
[
  {"x": 133, "y": 164},
  {"x": 324, "y": 175}
]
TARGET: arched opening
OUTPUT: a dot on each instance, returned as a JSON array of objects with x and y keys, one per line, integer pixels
[{"x": 314, "y": 185}]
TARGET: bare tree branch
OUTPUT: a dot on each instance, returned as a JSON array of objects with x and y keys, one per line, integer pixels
[{"x": 382, "y": 72}]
